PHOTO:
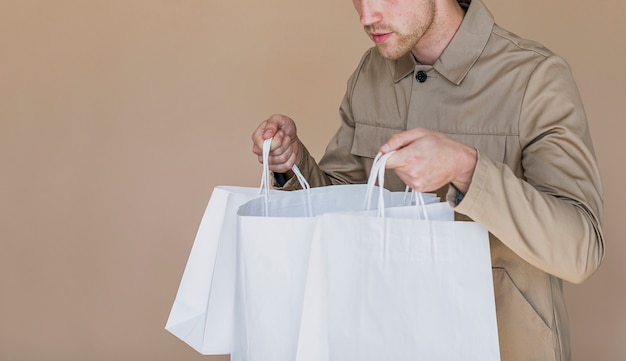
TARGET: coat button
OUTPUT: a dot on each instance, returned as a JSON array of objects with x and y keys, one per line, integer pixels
[{"x": 421, "y": 76}]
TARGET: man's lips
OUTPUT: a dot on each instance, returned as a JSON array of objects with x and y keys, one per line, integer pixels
[{"x": 380, "y": 37}]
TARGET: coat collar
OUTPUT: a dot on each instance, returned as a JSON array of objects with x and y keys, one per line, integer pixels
[{"x": 464, "y": 48}]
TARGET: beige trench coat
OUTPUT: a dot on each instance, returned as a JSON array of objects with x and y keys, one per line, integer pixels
[{"x": 536, "y": 186}]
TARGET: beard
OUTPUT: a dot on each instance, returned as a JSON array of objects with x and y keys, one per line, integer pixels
[
  {"x": 402, "y": 45},
  {"x": 407, "y": 35}
]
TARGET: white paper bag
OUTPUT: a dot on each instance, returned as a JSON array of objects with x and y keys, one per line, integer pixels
[
  {"x": 203, "y": 311},
  {"x": 398, "y": 288},
  {"x": 274, "y": 239}
]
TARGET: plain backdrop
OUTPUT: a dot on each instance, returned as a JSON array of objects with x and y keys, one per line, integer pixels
[{"x": 117, "y": 118}]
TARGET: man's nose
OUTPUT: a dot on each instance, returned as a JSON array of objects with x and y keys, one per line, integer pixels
[{"x": 369, "y": 11}]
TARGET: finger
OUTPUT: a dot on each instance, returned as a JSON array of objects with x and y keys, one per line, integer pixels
[
  {"x": 270, "y": 127},
  {"x": 257, "y": 139},
  {"x": 409, "y": 163},
  {"x": 401, "y": 140},
  {"x": 397, "y": 160},
  {"x": 280, "y": 149},
  {"x": 266, "y": 130},
  {"x": 278, "y": 142}
]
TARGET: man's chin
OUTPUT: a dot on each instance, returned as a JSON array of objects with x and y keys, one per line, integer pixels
[{"x": 390, "y": 54}]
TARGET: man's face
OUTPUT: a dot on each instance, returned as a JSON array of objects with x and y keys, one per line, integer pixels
[{"x": 395, "y": 26}]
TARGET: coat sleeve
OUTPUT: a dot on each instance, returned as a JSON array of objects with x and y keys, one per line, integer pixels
[{"x": 551, "y": 216}]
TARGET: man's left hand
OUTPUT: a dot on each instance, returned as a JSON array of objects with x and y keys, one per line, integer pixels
[{"x": 426, "y": 160}]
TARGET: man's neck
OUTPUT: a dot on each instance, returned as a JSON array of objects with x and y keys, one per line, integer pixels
[{"x": 448, "y": 19}]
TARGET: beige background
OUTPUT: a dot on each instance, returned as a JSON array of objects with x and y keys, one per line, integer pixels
[{"x": 118, "y": 118}]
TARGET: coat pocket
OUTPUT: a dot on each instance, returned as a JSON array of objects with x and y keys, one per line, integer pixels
[
  {"x": 523, "y": 334},
  {"x": 494, "y": 146},
  {"x": 369, "y": 138}
]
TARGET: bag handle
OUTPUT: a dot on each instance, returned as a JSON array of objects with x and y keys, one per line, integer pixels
[
  {"x": 264, "y": 188},
  {"x": 265, "y": 177},
  {"x": 377, "y": 173}
]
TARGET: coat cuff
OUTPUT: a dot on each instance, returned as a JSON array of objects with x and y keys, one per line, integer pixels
[
  {"x": 464, "y": 203},
  {"x": 292, "y": 183}
]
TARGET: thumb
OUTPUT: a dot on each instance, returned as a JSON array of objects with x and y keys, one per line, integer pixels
[
  {"x": 269, "y": 130},
  {"x": 401, "y": 140},
  {"x": 274, "y": 124}
]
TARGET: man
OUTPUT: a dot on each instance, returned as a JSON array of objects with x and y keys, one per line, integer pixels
[{"x": 492, "y": 122}]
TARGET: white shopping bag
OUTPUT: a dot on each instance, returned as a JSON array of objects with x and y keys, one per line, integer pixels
[
  {"x": 202, "y": 314},
  {"x": 274, "y": 240},
  {"x": 203, "y": 311},
  {"x": 398, "y": 288}
]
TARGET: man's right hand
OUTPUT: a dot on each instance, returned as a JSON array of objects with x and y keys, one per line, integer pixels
[{"x": 285, "y": 148}]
